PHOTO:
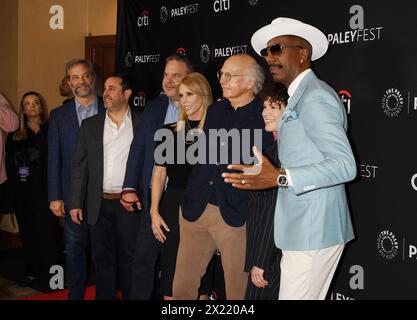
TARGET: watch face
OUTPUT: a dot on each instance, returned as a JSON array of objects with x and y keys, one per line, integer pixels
[{"x": 282, "y": 180}]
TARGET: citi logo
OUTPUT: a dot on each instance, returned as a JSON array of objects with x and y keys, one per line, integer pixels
[
  {"x": 140, "y": 100},
  {"x": 346, "y": 99},
  {"x": 221, "y": 5},
  {"x": 182, "y": 52},
  {"x": 392, "y": 102},
  {"x": 143, "y": 19}
]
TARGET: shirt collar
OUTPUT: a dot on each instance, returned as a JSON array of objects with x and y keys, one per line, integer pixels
[
  {"x": 92, "y": 105},
  {"x": 128, "y": 116},
  {"x": 171, "y": 103},
  {"x": 296, "y": 82}
]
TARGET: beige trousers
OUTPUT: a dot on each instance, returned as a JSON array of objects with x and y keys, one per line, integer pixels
[{"x": 198, "y": 241}]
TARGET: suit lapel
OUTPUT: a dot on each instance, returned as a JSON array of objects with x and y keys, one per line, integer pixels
[
  {"x": 72, "y": 115},
  {"x": 135, "y": 120},
  {"x": 293, "y": 101}
]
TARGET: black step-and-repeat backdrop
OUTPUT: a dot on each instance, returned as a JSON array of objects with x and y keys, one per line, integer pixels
[{"x": 371, "y": 63}]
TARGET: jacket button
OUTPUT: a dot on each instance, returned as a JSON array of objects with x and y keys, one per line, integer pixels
[{"x": 211, "y": 182}]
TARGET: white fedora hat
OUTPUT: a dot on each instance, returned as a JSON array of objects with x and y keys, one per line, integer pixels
[{"x": 287, "y": 26}]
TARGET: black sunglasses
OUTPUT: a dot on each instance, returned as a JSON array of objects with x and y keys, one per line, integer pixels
[{"x": 276, "y": 49}]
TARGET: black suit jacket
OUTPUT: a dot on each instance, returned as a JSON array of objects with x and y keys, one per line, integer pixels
[
  {"x": 141, "y": 159},
  {"x": 87, "y": 172}
]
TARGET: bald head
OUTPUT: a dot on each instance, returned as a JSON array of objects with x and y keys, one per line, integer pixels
[
  {"x": 241, "y": 78},
  {"x": 249, "y": 66}
]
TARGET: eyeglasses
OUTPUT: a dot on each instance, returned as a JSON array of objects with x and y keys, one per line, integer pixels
[
  {"x": 228, "y": 76},
  {"x": 276, "y": 49}
]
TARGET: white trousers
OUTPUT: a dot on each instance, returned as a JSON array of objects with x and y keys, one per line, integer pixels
[{"x": 306, "y": 275}]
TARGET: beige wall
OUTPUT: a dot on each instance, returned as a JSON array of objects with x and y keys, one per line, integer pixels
[
  {"x": 102, "y": 17},
  {"x": 8, "y": 48},
  {"x": 42, "y": 52}
]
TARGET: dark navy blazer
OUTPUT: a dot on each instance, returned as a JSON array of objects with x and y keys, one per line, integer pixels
[
  {"x": 141, "y": 156},
  {"x": 205, "y": 184},
  {"x": 62, "y": 141}
]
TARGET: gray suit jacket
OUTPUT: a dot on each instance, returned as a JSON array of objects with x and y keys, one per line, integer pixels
[{"x": 87, "y": 173}]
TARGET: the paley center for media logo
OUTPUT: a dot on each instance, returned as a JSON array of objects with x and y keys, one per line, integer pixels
[
  {"x": 392, "y": 102},
  {"x": 387, "y": 244}
]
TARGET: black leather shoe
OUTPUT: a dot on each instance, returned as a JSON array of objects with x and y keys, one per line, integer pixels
[{"x": 26, "y": 281}]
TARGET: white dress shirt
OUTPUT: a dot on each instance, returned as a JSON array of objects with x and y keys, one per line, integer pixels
[{"x": 116, "y": 146}]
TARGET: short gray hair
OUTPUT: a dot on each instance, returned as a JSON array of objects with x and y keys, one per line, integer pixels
[
  {"x": 78, "y": 61},
  {"x": 257, "y": 72}
]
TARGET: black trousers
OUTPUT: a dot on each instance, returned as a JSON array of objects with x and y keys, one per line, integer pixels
[
  {"x": 113, "y": 243},
  {"x": 146, "y": 254},
  {"x": 39, "y": 233}
]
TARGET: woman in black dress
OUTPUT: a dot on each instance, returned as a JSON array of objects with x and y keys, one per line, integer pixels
[
  {"x": 27, "y": 162},
  {"x": 194, "y": 96},
  {"x": 262, "y": 257}
]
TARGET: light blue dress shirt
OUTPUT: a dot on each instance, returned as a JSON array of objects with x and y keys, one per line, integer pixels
[
  {"x": 85, "y": 112},
  {"x": 172, "y": 114}
]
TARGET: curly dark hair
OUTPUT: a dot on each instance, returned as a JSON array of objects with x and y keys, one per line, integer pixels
[{"x": 274, "y": 91}]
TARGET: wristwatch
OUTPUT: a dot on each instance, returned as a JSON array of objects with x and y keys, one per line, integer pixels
[{"x": 282, "y": 180}]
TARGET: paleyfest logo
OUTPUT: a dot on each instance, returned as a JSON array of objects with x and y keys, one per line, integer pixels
[
  {"x": 207, "y": 52},
  {"x": 357, "y": 32}
]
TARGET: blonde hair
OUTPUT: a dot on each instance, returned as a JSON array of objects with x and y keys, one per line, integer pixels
[
  {"x": 197, "y": 84},
  {"x": 21, "y": 133}
]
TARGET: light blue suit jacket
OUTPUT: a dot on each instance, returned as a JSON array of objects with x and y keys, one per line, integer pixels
[{"x": 312, "y": 144}]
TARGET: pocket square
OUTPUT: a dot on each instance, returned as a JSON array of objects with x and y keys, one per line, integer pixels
[{"x": 292, "y": 115}]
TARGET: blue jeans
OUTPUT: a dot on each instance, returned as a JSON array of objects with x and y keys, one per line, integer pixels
[{"x": 75, "y": 247}]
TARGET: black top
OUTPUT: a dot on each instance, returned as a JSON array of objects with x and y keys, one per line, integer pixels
[
  {"x": 206, "y": 184},
  {"x": 178, "y": 170},
  {"x": 26, "y": 163}
]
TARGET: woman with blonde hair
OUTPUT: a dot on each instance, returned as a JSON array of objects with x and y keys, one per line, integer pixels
[
  {"x": 27, "y": 162},
  {"x": 194, "y": 94}
]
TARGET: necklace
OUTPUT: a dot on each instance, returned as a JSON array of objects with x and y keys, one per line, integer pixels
[{"x": 189, "y": 130}]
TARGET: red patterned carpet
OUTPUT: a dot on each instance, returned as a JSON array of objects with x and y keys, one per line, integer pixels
[{"x": 90, "y": 293}]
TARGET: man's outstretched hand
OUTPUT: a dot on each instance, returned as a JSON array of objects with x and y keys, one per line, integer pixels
[{"x": 253, "y": 177}]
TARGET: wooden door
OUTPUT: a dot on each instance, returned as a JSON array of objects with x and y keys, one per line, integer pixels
[{"x": 101, "y": 51}]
